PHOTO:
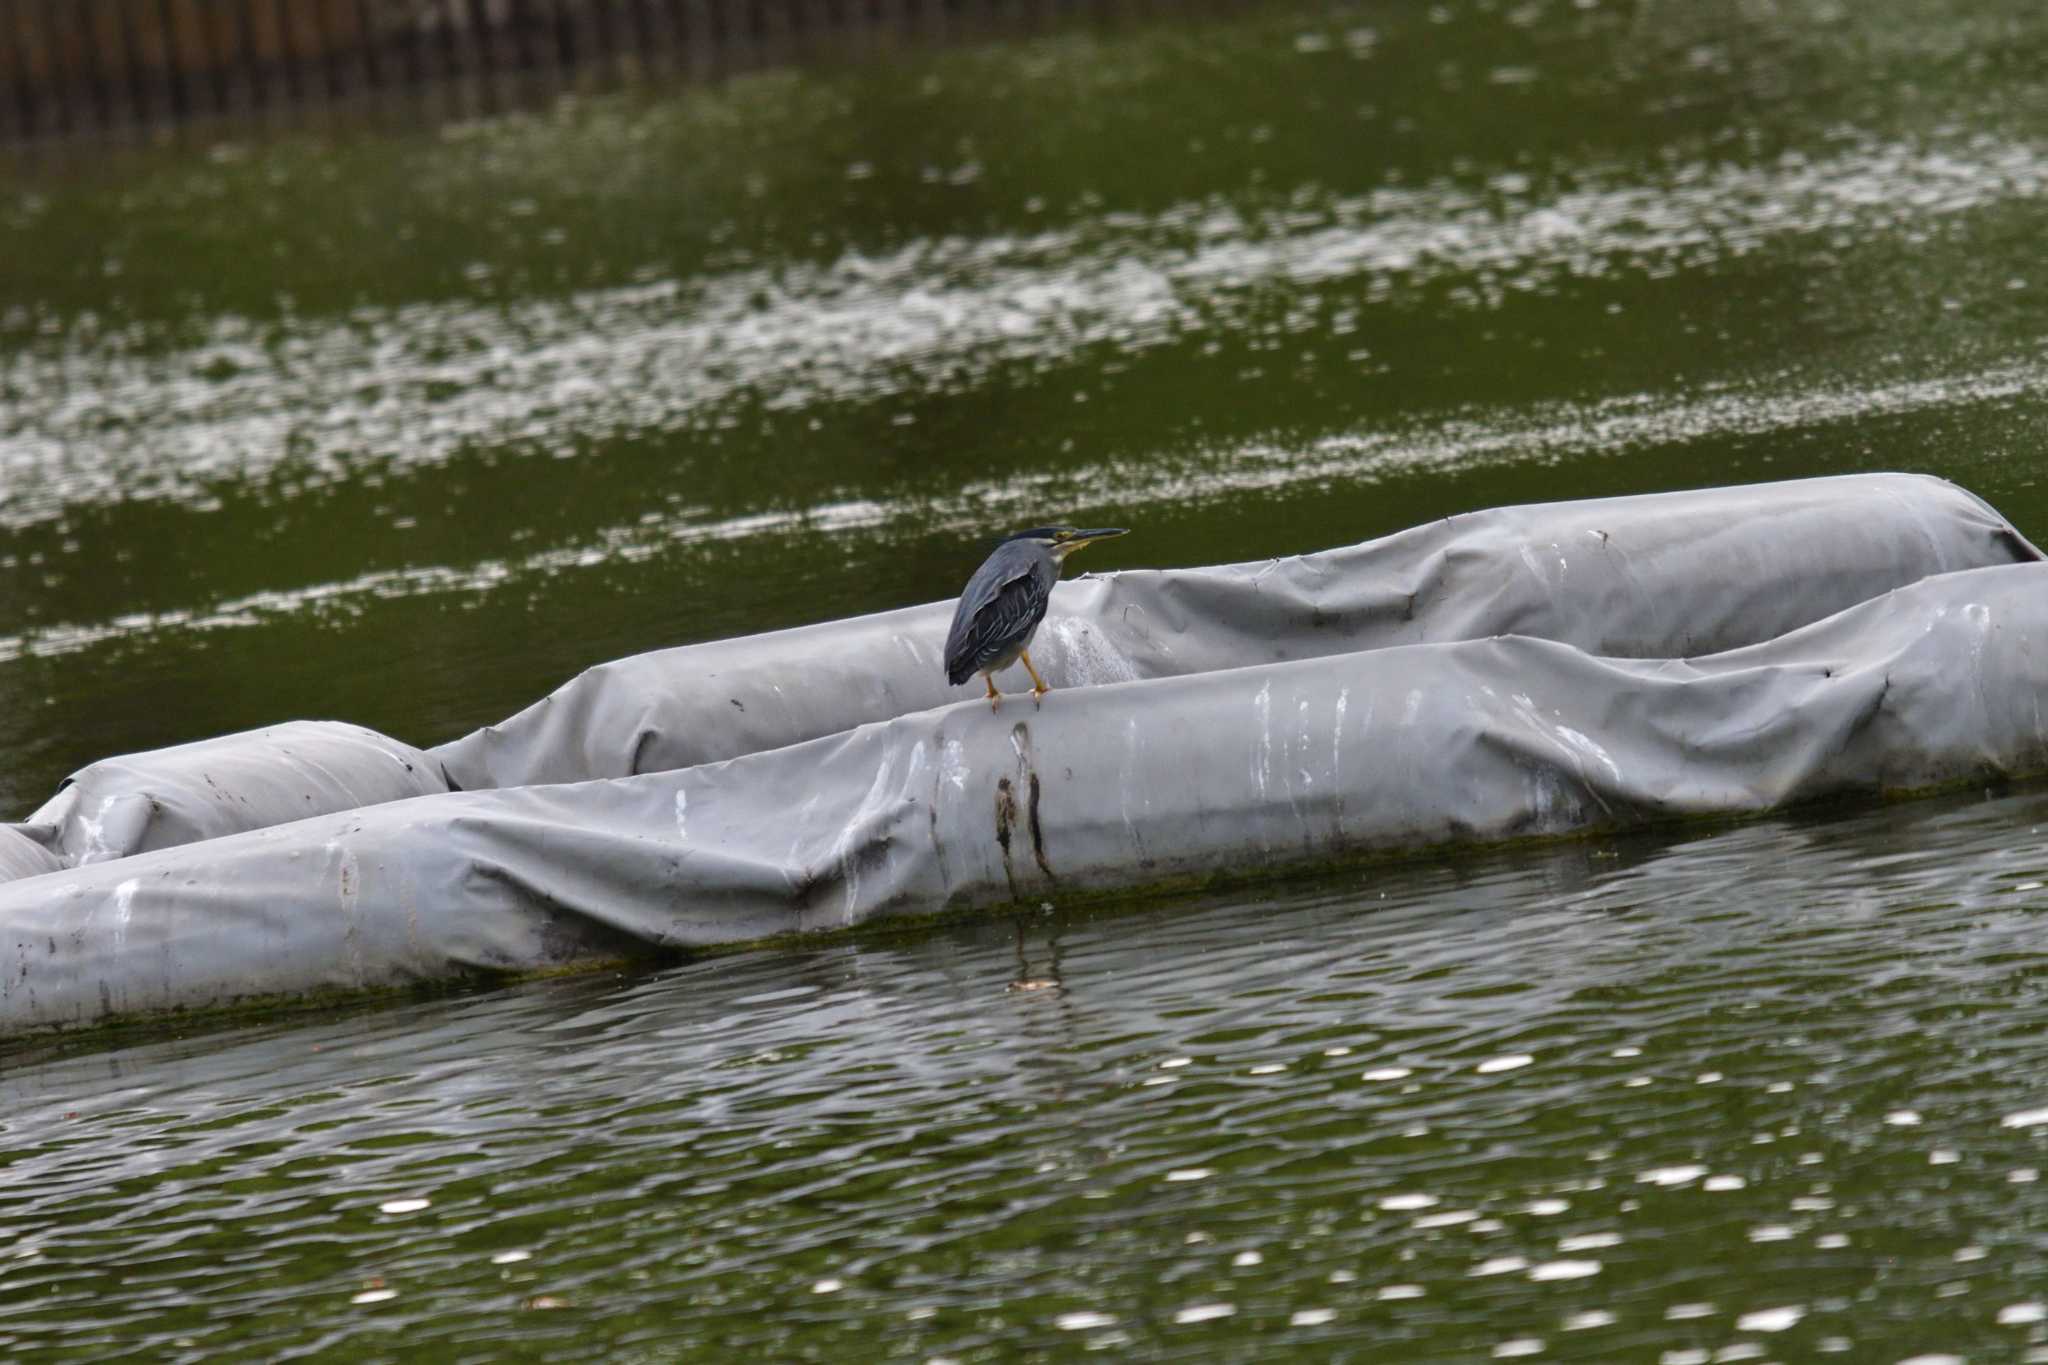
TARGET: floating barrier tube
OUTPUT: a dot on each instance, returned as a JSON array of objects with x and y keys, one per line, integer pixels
[
  {"x": 1233, "y": 751},
  {"x": 1660, "y": 575}
]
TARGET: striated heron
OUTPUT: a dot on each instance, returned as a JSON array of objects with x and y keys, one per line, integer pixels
[{"x": 1005, "y": 600}]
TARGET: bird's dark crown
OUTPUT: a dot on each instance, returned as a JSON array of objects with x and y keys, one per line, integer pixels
[{"x": 1063, "y": 540}]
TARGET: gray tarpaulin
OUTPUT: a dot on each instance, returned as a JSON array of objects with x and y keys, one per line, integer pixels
[
  {"x": 213, "y": 787},
  {"x": 22, "y": 856},
  {"x": 1672, "y": 574},
  {"x": 1236, "y": 747}
]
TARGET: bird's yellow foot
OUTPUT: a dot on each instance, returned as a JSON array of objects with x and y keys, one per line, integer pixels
[
  {"x": 995, "y": 698},
  {"x": 1038, "y": 687}
]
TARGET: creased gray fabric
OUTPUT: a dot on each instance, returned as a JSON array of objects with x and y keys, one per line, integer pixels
[
  {"x": 24, "y": 856},
  {"x": 203, "y": 790},
  {"x": 1270, "y": 766},
  {"x": 1661, "y": 575}
]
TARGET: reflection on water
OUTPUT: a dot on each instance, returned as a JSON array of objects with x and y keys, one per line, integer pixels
[
  {"x": 405, "y": 426},
  {"x": 1773, "y": 1089}
]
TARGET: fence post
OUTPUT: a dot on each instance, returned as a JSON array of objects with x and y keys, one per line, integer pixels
[
  {"x": 17, "y": 68},
  {"x": 247, "y": 79},
  {"x": 68, "y": 66}
]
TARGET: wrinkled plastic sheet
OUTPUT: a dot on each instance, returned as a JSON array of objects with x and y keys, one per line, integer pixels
[
  {"x": 1286, "y": 758},
  {"x": 1674, "y": 574},
  {"x": 122, "y": 806}
]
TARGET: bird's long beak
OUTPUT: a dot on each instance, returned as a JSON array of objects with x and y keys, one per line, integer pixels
[{"x": 1080, "y": 538}]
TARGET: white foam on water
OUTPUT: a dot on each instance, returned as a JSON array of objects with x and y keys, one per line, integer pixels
[
  {"x": 1501, "y": 1265},
  {"x": 1083, "y": 1321},
  {"x": 1205, "y": 1312},
  {"x": 1397, "y": 1203},
  {"x": 103, "y": 414},
  {"x": 1770, "y": 1319},
  {"x": 1611, "y": 427},
  {"x": 1449, "y": 1219},
  {"x": 1671, "y": 1175},
  {"x": 1564, "y": 1270},
  {"x": 1513, "y": 1062}
]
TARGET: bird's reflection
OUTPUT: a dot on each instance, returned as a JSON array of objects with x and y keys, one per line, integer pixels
[{"x": 1025, "y": 982}]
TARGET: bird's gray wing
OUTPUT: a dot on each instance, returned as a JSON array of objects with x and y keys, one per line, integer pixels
[{"x": 1001, "y": 598}]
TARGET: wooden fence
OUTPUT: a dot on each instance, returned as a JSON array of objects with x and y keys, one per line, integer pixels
[{"x": 79, "y": 66}]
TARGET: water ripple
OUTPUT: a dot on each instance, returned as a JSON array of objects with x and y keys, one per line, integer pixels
[
  {"x": 98, "y": 416},
  {"x": 1609, "y": 428},
  {"x": 884, "y": 1149}
]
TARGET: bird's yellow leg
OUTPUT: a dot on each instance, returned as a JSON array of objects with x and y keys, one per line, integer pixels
[
  {"x": 995, "y": 698},
  {"x": 1038, "y": 687}
]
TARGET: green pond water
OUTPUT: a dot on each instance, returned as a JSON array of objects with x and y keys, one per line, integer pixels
[{"x": 405, "y": 424}]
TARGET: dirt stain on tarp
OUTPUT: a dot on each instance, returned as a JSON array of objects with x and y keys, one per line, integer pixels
[
  {"x": 1006, "y": 816},
  {"x": 1037, "y": 833},
  {"x": 1006, "y": 807}
]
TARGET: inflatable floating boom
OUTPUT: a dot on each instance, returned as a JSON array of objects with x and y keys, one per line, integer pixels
[{"x": 1515, "y": 672}]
